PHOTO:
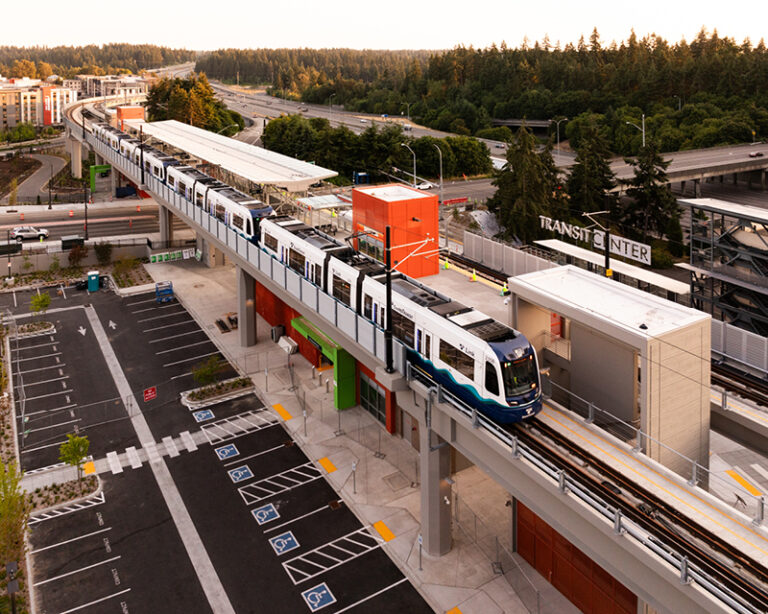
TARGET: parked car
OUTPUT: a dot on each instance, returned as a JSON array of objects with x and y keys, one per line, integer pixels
[
  {"x": 755, "y": 154},
  {"x": 425, "y": 185},
  {"x": 28, "y": 232}
]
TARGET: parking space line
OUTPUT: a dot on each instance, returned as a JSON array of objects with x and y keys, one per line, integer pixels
[
  {"x": 178, "y": 362},
  {"x": 49, "y": 445},
  {"x": 165, "y": 315},
  {"x": 154, "y": 308},
  {"x": 37, "y": 357},
  {"x": 31, "y": 347},
  {"x": 57, "y": 366},
  {"x": 149, "y": 300},
  {"x": 181, "y": 347},
  {"x": 114, "y": 462},
  {"x": 245, "y": 458},
  {"x": 302, "y": 517},
  {"x": 371, "y": 596},
  {"x": 48, "y": 411},
  {"x": 69, "y": 573},
  {"x": 45, "y": 381},
  {"x": 237, "y": 426},
  {"x": 354, "y": 544},
  {"x": 133, "y": 457},
  {"x": 182, "y": 375},
  {"x": 149, "y": 330},
  {"x": 170, "y": 446},
  {"x": 69, "y": 541},
  {"x": 90, "y": 603},
  {"x": 52, "y": 426},
  {"x": 189, "y": 443},
  {"x": 52, "y": 394},
  {"x": 192, "y": 332}
]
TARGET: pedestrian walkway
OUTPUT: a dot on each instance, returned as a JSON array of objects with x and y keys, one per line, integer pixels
[{"x": 375, "y": 473}]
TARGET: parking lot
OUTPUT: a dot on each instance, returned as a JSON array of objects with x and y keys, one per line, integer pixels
[{"x": 275, "y": 531}]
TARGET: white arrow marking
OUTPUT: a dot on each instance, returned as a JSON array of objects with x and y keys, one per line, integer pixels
[
  {"x": 112, "y": 325},
  {"x": 82, "y": 330}
]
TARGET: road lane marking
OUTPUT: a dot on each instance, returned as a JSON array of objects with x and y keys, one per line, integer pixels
[
  {"x": 114, "y": 462},
  {"x": 170, "y": 446},
  {"x": 133, "y": 457}
]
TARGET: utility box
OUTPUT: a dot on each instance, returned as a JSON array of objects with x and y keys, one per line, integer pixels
[{"x": 93, "y": 281}]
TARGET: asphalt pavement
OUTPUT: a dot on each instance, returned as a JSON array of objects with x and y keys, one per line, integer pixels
[{"x": 33, "y": 185}]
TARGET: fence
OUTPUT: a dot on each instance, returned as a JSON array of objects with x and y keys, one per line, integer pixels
[
  {"x": 502, "y": 560},
  {"x": 501, "y": 257},
  {"x": 726, "y": 490},
  {"x": 745, "y": 347}
]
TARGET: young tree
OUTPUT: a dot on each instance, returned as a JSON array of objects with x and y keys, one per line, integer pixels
[
  {"x": 524, "y": 188},
  {"x": 14, "y": 510},
  {"x": 73, "y": 452},
  {"x": 591, "y": 177},
  {"x": 13, "y": 194},
  {"x": 76, "y": 255},
  {"x": 205, "y": 372},
  {"x": 653, "y": 206},
  {"x": 39, "y": 303}
]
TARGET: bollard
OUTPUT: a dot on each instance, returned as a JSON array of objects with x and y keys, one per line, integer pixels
[
  {"x": 724, "y": 401},
  {"x": 684, "y": 577},
  {"x": 591, "y": 415},
  {"x": 326, "y": 384},
  {"x": 378, "y": 453},
  {"x": 266, "y": 379},
  {"x": 694, "y": 471},
  {"x": 304, "y": 413},
  {"x": 314, "y": 371},
  {"x": 354, "y": 478},
  {"x": 760, "y": 514},
  {"x": 617, "y": 528},
  {"x": 21, "y": 217},
  {"x": 561, "y": 481},
  {"x": 420, "y": 546}
]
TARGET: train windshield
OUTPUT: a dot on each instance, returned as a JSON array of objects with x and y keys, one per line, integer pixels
[{"x": 519, "y": 375}]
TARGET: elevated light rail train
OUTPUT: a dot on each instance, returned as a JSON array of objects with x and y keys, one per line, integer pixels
[{"x": 488, "y": 365}]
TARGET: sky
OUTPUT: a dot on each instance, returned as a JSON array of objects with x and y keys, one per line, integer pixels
[{"x": 395, "y": 24}]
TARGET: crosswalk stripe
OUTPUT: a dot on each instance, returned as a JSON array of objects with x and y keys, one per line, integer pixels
[
  {"x": 170, "y": 447},
  {"x": 152, "y": 455},
  {"x": 188, "y": 442},
  {"x": 133, "y": 457},
  {"x": 114, "y": 462}
]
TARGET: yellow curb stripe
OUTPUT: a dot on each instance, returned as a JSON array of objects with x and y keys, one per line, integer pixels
[
  {"x": 89, "y": 468},
  {"x": 384, "y": 531},
  {"x": 282, "y": 411},
  {"x": 747, "y": 486},
  {"x": 326, "y": 464},
  {"x": 455, "y": 610}
]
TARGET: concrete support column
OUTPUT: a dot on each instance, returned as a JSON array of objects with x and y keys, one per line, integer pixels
[
  {"x": 113, "y": 178},
  {"x": 202, "y": 245},
  {"x": 166, "y": 224},
  {"x": 76, "y": 157},
  {"x": 682, "y": 187},
  {"x": 436, "y": 500},
  {"x": 762, "y": 180},
  {"x": 735, "y": 178},
  {"x": 246, "y": 308},
  {"x": 697, "y": 188},
  {"x": 98, "y": 158}
]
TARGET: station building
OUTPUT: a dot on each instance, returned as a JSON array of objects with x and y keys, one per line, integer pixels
[{"x": 31, "y": 101}]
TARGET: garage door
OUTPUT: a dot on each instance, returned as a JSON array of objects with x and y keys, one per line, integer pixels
[{"x": 587, "y": 585}]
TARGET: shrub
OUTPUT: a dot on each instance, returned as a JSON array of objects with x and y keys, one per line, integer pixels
[
  {"x": 77, "y": 254},
  {"x": 55, "y": 264},
  {"x": 661, "y": 258},
  {"x": 205, "y": 372},
  {"x": 103, "y": 253}
]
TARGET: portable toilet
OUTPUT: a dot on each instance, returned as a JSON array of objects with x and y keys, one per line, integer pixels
[{"x": 93, "y": 281}]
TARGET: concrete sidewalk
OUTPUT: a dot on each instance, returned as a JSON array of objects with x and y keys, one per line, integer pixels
[{"x": 375, "y": 488}]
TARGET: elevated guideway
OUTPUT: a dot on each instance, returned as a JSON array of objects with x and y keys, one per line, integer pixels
[{"x": 659, "y": 573}]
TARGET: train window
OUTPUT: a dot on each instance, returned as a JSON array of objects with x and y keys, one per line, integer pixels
[
  {"x": 199, "y": 199},
  {"x": 402, "y": 328},
  {"x": 296, "y": 261},
  {"x": 341, "y": 290},
  {"x": 367, "y": 306},
  {"x": 418, "y": 341},
  {"x": 172, "y": 182},
  {"x": 237, "y": 221},
  {"x": 457, "y": 359},
  {"x": 270, "y": 242},
  {"x": 491, "y": 378},
  {"x": 427, "y": 345},
  {"x": 318, "y": 275},
  {"x": 221, "y": 213},
  {"x": 182, "y": 188}
]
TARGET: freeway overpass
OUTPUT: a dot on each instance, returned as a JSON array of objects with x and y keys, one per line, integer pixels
[{"x": 639, "y": 562}]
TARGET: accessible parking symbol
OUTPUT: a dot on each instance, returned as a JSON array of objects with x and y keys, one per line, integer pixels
[
  {"x": 284, "y": 543},
  {"x": 203, "y": 415},
  {"x": 265, "y": 514},
  {"x": 318, "y": 597},
  {"x": 240, "y": 474},
  {"x": 228, "y": 451}
]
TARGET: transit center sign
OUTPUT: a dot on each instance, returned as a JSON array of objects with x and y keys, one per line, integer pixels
[{"x": 626, "y": 248}]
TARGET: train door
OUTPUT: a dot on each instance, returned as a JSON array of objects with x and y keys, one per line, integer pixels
[{"x": 424, "y": 343}]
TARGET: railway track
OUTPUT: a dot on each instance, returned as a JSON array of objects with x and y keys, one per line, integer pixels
[
  {"x": 746, "y": 578},
  {"x": 745, "y": 386},
  {"x": 482, "y": 270}
]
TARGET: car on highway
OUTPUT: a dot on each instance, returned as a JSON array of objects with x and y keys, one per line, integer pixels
[
  {"x": 363, "y": 121},
  {"x": 425, "y": 185},
  {"x": 755, "y": 154},
  {"x": 28, "y": 232}
]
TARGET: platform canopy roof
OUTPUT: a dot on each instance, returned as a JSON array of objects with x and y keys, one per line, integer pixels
[
  {"x": 636, "y": 272},
  {"x": 255, "y": 164},
  {"x": 715, "y": 205},
  {"x": 605, "y": 304}
]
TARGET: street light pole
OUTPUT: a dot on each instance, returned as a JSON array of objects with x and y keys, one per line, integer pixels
[
  {"x": 50, "y": 181},
  {"x": 440, "y": 153},
  {"x": 388, "y": 315},
  {"x": 414, "y": 162},
  {"x": 85, "y": 202},
  {"x": 408, "y": 109},
  {"x": 557, "y": 123},
  {"x": 639, "y": 128},
  {"x": 330, "y": 109}
]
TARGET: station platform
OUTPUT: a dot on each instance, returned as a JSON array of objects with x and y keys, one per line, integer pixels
[{"x": 718, "y": 510}]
